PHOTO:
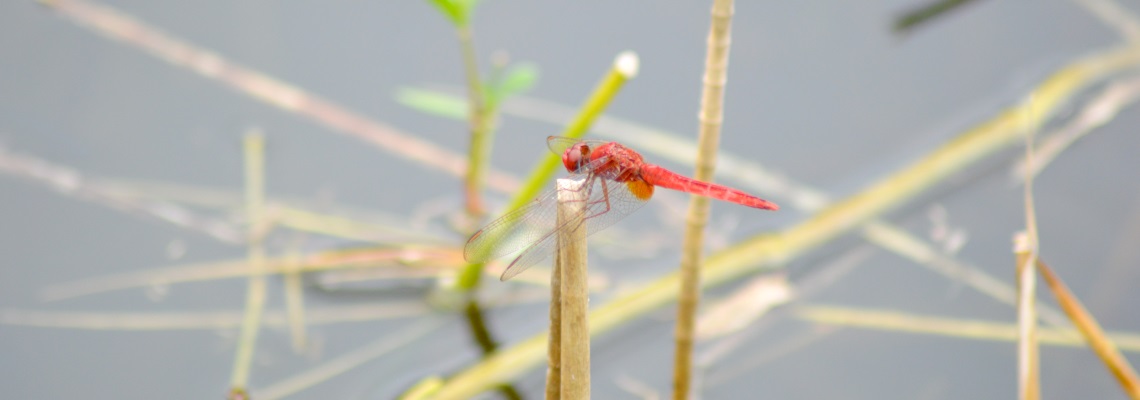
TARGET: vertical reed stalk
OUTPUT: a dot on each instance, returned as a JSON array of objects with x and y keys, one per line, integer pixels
[
  {"x": 1026, "y": 251},
  {"x": 1028, "y": 372},
  {"x": 575, "y": 337},
  {"x": 554, "y": 342},
  {"x": 711, "y": 115},
  {"x": 254, "y": 145},
  {"x": 295, "y": 300}
]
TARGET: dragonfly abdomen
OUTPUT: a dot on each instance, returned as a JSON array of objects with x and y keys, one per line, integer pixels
[{"x": 662, "y": 177}]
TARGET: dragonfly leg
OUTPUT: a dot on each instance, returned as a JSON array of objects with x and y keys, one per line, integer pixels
[{"x": 605, "y": 199}]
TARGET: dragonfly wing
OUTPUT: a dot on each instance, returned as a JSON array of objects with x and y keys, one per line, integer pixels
[
  {"x": 607, "y": 201},
  {"x": 610, "y": 201},
  {"x": 542, "y": 247},
  {"x": 532, "y": 255},
  {"x": 559, "y": 144},
  {"x": 514, "y": 231},
  {"x": 532, "y": 230}
]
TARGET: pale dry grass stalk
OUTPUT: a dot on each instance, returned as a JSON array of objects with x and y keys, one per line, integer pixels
[
  {"x": 205, "y": 320},
  {"x": 347, "y": 361},
  {"x": 575, "y": 295},
  {"x": 1092, "y": 332},
  {"x": 900, "y": 322},
  {"x": 1097, "y": 112},
  {"x": 295, "y": 300},
  {"x": 71, "y": 182},
  {"x": 554, "y": 343},
  {"x": 1028, "y": 363},
  {"x": 118, "y": 26},
  {"x": 1114, "y": 16},
  {"x": 711, "y": 116},
  {"x": 196, "y": 272},
  {"x": 1026, "y": 250},
  {"x": 254, "y": 145}
]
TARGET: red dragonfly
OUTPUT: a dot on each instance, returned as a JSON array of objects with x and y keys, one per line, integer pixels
[{"x": 617, "y": 182}]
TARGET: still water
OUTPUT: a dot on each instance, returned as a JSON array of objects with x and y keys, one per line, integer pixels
[{"x": 824, "y": 94}]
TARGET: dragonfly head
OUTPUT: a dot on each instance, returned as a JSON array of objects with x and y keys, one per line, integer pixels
[{"x": 576, "y": 156}]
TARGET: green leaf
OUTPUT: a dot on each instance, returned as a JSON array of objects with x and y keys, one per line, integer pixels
[
  {"x": 458, "y": 11},
  {"x": 433, "y": 102},
  {"x": 518, "y": 79}
]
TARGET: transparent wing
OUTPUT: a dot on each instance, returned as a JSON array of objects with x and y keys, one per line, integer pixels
[
  {"x": 559, "y": 144},
  {"x": 532, "y": 230},
  {"x": 514, "y": 231}
]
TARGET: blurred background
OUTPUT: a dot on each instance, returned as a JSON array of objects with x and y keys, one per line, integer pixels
[{"x": 825, "y": 95}]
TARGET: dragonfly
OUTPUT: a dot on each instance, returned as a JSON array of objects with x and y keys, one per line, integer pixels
[{"x": 617, "y": 182}]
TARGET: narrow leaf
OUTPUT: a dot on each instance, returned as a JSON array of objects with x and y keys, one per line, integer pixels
[{"x": 433, "y": 102}]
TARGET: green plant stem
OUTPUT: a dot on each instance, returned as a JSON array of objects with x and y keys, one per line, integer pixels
[
  {"x": 255, "y": 292},
  {"x": 479, "y": 119},
  {"x": 624, "y": 69},
  {"x": 711, "y": 115}
]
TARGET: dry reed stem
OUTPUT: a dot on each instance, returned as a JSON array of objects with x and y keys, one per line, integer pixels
[
  {"x": 205, "y": 320},
  {"x": 711, "y": 116},
  {"x": 330, "y": 260},
  {"x": 1116, "y": 17},
  {"x": 554, "y": 343},
  {"x": 295, "y": 300},
  {"x": 780, "y": 292},
  {"x": 1028, "y": 364},
  {"x": 1095, "y": 113},
  {"x": 575, "y": 295},
  {"x": 894, "y": 321},
  {"x": 910, "y": 247},
  {"x": 1026, "y": 250},
  {"x": 254, "y": 145},
  {"x": 346, "y": 361},
  {"x": 71, "y": 182},
  {"x": 744, "y": 306},
  {"x": 115, "y": 25},
  {"x": 1092, "y": 332}
]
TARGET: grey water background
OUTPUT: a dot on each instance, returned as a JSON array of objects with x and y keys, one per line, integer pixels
[{"x": 820, "y": 91}]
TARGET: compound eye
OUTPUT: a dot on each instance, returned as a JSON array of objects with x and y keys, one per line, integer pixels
[{"x": 575, "y": 156}]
